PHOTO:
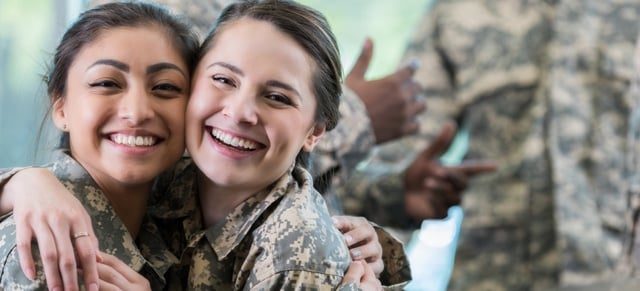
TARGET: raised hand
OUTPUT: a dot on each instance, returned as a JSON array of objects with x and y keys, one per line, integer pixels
[
  {"x": 430, "y": 187},
  {"x": 390, "y": 101}
]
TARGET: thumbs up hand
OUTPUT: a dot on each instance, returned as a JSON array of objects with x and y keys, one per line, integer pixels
[{"x": 389, "y": 101}]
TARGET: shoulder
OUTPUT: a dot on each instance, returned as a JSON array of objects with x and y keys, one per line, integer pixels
[
  {"x": 299, "y": 235},
  {"x": 11, "y": 275}
]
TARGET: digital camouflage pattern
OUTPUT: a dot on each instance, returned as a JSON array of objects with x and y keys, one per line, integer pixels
[
  {"x": 147, "y": 254},
  {"x": 590, "y": 105},
  {"x": 279, "y": 238},
  {"x": 481, "y": 66},
  {"x": 630, "y": 264}
]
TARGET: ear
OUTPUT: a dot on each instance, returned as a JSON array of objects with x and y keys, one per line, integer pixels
[
  {"x": 58, "y": 114},
  {"x": 314, "y": 135}
]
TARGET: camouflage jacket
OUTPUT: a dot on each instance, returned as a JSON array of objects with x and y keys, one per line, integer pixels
[
  {"x": 281, "y": 237},
  {"x": 147, "y": 254},
  {"x": 588, "y": 82},
  {"x": 482, "y": 66}
]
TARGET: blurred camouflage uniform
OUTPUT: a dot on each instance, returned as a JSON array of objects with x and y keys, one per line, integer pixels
[
  {"x": 147, "y": 254},
  {"x": 279, "y": 238},
  {"x": 630, "y": 264},
  {"x": 588, "y": 85},
  {"x": 482, "y": 66},
  {"x": 556, "y": 124}
]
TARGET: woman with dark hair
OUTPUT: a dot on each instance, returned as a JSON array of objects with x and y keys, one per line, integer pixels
[{"x": 119, "y": 87}]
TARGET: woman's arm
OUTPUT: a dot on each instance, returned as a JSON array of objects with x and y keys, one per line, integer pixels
[{"x": 45, "y": 210}]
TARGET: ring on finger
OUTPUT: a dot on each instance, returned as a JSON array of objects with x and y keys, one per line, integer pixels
[{"x": 80, "y": 234}]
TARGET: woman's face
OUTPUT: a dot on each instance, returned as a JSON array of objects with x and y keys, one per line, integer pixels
[
  {"x": 252, "y": 107},
  {"x": 124, "y": 105}
]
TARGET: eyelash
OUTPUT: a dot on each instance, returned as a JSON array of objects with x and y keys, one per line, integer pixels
[
  {"x": 279, "y": 98},
  {"x": 223, "y": 80},
  {"x": 105, "y": 84},
  {"x": 167, "y": 87}
]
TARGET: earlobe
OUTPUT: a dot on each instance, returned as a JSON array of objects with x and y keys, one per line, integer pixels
[
  {"x": 313, "y": 137},
  {"x": 57, "y": 113}
]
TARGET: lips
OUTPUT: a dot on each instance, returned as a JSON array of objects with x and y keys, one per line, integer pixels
[{"x": 234, "y": 141}]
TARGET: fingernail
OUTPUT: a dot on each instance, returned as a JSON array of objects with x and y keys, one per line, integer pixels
[
  {"x": 368, "y": 42},
  {"x": 93, "y": 287},
  {"x": 355, "y": 254},
  {"x": 31, "y": 274},
  {"x": 57, "y": 289},
  {"x": 414, "y": 64},
  {"x": 348, "y": 238}
]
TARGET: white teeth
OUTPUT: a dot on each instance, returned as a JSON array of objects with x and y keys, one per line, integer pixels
[
  {"x": 133, "y": 141},
  {"x": 234, "y": 141}
]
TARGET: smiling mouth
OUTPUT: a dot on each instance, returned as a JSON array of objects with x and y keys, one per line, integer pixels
[
  {"x": 134, "y": 140},
  {"x": 234, "y": 142}
]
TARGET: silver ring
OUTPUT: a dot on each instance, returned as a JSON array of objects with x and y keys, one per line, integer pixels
[{"x": 80, "y": 234}]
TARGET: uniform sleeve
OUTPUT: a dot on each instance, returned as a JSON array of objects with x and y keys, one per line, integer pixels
[
  {"x": 347, "y": 144},
  {"x": 11, "y": 276},
  {"x": 301, "y": 280},
  {"x": 379, "y": 180},
  {"x": 396, "y": 274}
]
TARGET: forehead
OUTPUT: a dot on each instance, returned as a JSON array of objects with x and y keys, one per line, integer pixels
[
  {"x": 262, "y": 52},
  {"x": 137, "y": 45}
]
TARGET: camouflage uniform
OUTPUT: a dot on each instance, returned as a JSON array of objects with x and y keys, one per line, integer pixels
[
  {"x": 147, "y": 254},
  {"x": 482, "y": 66},
  {"x": 281, "y": 237},
  {"x": 588, "y": 84},
  {"x": 338, "y": 152}
]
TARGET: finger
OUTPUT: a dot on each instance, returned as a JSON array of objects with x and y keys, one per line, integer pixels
[
  {"x": 457, "y": 178},
  {"x": 370, "y": 251},
  {"x": 412, "y": 89},
  {"x": 106, "y": 286},
  {"x": 354, "y": 273},
  {"x": 368, "y": 273},
  {"x": 23, "y": 244},
  {"x": 439, "y": 186},
  {"x": 66, "y": 256},
  {"x": 441, "y": 143},
  {"x": 362, "y": 63},
  {"x": 369, "y": 280},
  {"x": 109, "y": 275},
  {"x": 472, "y": 168},
  {"x": 417, "y": 107},
  {"x": 86, "y": 254},
  {"x": 404, "y": 74},
  {"x": 49, "y": 255},
  {"x": 361, "y": 233},
  {"x": 118, "y": 266},
  {"x": 342, "y": 223}
]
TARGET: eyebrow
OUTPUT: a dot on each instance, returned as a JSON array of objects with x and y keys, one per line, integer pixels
[
  {"x": 109, "y": 62},
  {"x": 271, "y": 83},
  {"x": 228, "y": 66},
  {"x": 124, "y": 67},
  {"x": 164, "y": 66}
]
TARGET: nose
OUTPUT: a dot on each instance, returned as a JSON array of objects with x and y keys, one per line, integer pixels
[
  {"x": 241, "y": 107},
  {"x": 136, "y": 106}
]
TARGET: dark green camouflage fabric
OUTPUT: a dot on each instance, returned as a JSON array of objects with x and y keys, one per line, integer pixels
[
  {"x": 279, "y": 238},
  {"x": 147, "y": 254}
]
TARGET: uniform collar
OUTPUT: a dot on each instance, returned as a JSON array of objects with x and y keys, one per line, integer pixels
[
  {"x": 227, "y": 234},
  {"x": 113, "y": 236}
]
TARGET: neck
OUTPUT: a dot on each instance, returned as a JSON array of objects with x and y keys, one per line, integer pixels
[
  {"x": 218, "y": 201},
  {"x": 129, "y": 202}
]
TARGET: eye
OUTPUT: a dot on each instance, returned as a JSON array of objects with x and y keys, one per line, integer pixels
[
  {"x": 279, "y": 98},
  {"x": 223, "y": 80},
  {"x": 104, "y": 84},
  {"x": 168, "y": 87}
]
